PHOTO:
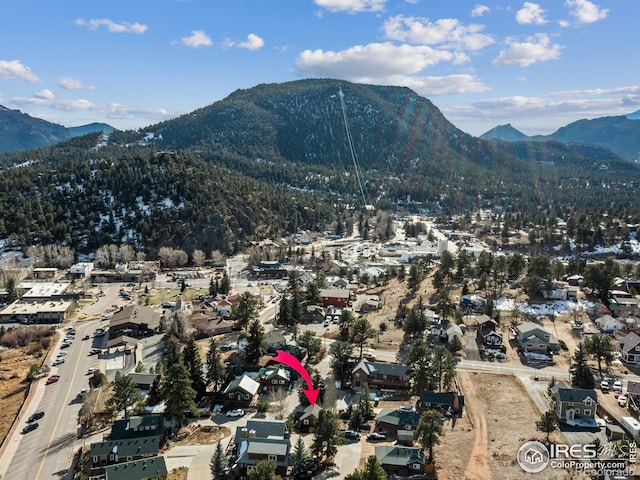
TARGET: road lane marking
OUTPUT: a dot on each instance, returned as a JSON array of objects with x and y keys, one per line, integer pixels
[{"x": 65, "y": 404}]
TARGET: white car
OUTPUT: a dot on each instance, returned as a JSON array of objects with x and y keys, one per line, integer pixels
[
  {"x": 57, "y": 361},
  {"x": 238, "y": 412},
  {"x": 61, "y": 354},
  {"x": 622, "y": 400},
  {"x": 91, "y": 371},
  {"x": 617, "y": 386}
]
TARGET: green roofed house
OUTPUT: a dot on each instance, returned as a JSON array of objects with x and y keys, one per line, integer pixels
[
  {"x": 138, "y": 427},
  {"x": 443, "y": 401},
  {"x": 243, "y": 391},
  {"x": 144, "y": 469},
  {"x": 262, "y": 440},
  {"x": 394, "y": 419},
  {"x": 400, "y": 460},
  {"x": 119, "y": 451}
]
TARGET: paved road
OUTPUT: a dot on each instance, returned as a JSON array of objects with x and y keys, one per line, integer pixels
[{"x": 46, "y": 452}]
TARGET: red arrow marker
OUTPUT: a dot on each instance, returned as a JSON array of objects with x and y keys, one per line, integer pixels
[{"x": 293, "y": 362}]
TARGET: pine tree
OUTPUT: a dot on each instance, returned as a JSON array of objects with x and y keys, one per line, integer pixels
[
  {"x": 255, "y": 342},
  {"x": 178, "y": 393},
  {"x": 327, "y": 436},
  {"x": 372, "y": 469},
  {"x": 219, "y": 464},
  {"x": 442, "y": 367},
  {"x": 581, "y": 374},
  {"x": 125, "y": 394},
  {"x": 216, "y": 370},
  {"x": 264, "y": 470},
  {"x": 548, "y": 423},
  {"x": 301, "y": 461},
  {"x": 429, "y": 431},
  {"x": 193, "y": 362}
]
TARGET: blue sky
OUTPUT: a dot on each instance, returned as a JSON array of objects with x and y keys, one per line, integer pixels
[{"x": 131, "y": 63}]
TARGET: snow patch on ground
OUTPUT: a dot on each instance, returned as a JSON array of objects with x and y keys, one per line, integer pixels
[{"x": 549, "y": 308}]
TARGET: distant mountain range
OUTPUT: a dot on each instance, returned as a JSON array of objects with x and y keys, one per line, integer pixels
[
  {"x": 20, "y": 131},
  {"x": 307, "y": 154},
  {"x": 620, "y": 134}
]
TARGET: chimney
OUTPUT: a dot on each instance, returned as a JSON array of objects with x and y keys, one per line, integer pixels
[
  {"x": 243, "y": 432},
  {"x": 252, "y": 434}
]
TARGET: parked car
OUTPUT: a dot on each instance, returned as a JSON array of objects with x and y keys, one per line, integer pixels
[
  {"x": 91, "y": 371},
  {"x": 95, "y": 351},
  {"x": 617, "y": 386},
  {"x": 57, "y": 361},
  {"x": 622, "y": 400},
  {"x": 375, "y": 436},
  {"x": 65, "y": 344},
  {"x": 604, "y": 386},
  {"x": 30, "y": 427},
  {"x": 238, "y": 412},
  {"x": 351, "y": 435},
  {"x": 36, "y": 416},
  {"x": 61, "y": 354},
  {"x": 53, "y": 379}
]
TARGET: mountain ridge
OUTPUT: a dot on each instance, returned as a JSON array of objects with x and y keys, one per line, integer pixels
[
  {"x": 20, "y": 131},
  {"x": 620, "y": 134}
]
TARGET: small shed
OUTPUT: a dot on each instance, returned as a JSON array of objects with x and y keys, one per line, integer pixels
[
  {"x": 614, "y": 432},
  {"x": 405, "y": 437}
]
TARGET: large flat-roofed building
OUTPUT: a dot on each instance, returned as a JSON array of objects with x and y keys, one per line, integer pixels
[
  {"x": 81, "y": 270},
  {"x": 43, "y": 290},
  {"x": 52, "y": 311}
]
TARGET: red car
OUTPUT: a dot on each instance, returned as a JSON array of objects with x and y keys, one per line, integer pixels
[{"x": 53, "y": 379}]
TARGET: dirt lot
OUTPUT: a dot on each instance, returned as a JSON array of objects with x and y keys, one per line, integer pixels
[
  {"x": 486, "y": 440},
  {"x": 14, "y": 368}
]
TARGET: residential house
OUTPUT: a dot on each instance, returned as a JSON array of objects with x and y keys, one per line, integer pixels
[
  {"x": 145, "y": 469},
  {"x": 134, "y": 321},
  {"x": 488, "y": 333},
  {"x": 309, "y": 417},
  {"x": 122, "y": 345},
  {"x": 533, "y": 338},
  {"x": 609, "y": 324},
  {"x": 472, "y": 302},
  {"x": 574, "y": 406},
  {"x": 400, "y": 460},
  {"x": 630, "y": 349},
  {"x": 624, "y": 305},
  {"x": 216, "y": 326},
  {"x": 575, "y": 280},
  {"x": 337, "y": 297},
  {"x": 138, "y": 427},
  {"x": 242, "y": 392},
  {"x": 262, "y": 440},
  {"x": 370, "y": 304},
  {"x": 445, "y": 331},
  {"x": 379, "y": 376},
  {"x": 274, "y": 378},
  {"x": 196, "y": 321},
  {"x": 443, "y": 401},
  {"x": 275, "y": 340},
  {"x": 394, "y": 419},
  {"x": 315, "y": 313},
  {"x": 143, "y": 381},
  {"x": 119, "y": 451},
  {"x": 224, "y": 307}
]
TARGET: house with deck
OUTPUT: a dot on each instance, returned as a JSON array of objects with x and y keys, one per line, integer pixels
[
  {"x": 533, "y": 338},
  {"x": 574, "y": 406},
  {"x": 379, "y": 376},
  {"x": 262, "y": 440}
]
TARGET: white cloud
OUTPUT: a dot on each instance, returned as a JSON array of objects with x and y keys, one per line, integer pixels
[
  {"x": 254, "y": 42},
  {"x": 446, "y": 32},
  {"x": 370, "y": 61},
  {"x": 530, "y": 13},
  {"x": 563, "y": 23},
  {"x": 535, "y": 49},
  {"x": 352, "y": 6},
  {"x": 585, "y": 11},
  {"x": 44, "y": 94},
  {"x": 479, "y": 10},
  {"x": 15, "y": 70},
  {"x": 45, "y": 98},
  {"x": 197, "y": 39},
  {"x": 389, "y": 64},
  {"x": 69, "y": 83},
  {"x": 113, "y": 27}
]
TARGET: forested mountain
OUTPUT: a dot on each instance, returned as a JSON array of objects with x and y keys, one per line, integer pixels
[
  {"x": 619, "y": 134},
  {"x": 275, "y": 158},
  {"x": 19, "y": 131}
]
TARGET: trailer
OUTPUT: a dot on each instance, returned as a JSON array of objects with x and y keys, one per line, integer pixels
[{"x": 631, "y": 425}]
